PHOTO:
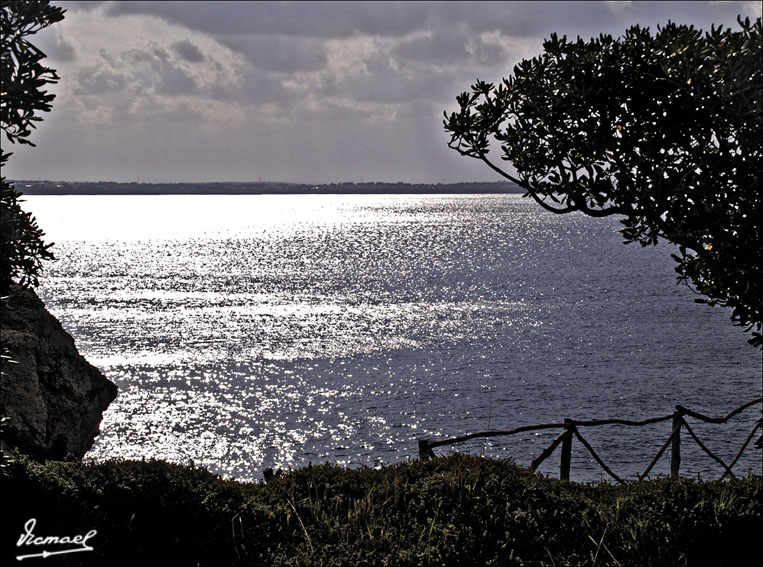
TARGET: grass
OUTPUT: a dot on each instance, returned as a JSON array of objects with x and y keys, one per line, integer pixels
[{"x": 455, "y": 510}]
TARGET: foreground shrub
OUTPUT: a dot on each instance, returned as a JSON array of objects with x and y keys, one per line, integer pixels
[{"x": 456, "y": 510}]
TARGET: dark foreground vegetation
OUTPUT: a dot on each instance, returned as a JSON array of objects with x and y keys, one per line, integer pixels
[{"x": 456, "y": 510}]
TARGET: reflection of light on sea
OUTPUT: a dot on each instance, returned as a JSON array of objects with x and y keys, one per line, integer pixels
[
  {"x": 258, "y": 331},
  {"x": 274, "y": 330},
  {"x": 241, "y": 419}
]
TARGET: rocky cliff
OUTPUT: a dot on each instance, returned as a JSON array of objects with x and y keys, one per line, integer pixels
[{"x": 54, "y": 398}]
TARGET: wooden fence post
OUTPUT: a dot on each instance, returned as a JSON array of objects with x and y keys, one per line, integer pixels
[
  {"x": 564, "y": 466},
  {"x": 570, "y": 428},
  {"x": 425, "y": 451},
  {"x": 675, "y": 450}
]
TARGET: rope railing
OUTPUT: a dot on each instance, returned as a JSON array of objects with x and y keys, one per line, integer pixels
[{"x": 570, "y": 430}]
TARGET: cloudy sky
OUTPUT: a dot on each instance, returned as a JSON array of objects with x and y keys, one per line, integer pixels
[{"x": 302, "y": 92}]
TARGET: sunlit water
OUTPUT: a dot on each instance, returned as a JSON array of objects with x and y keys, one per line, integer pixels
[{"x": 247, "y": 332}]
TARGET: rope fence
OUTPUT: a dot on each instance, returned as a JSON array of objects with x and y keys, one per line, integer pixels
[{"x": 571, "y": 429}]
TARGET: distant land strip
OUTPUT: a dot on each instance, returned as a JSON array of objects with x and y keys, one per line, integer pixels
[{"x": 258, "y": 188}]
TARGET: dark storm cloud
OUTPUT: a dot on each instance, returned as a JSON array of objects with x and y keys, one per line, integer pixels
[
  {"x": 312, "y": 19},
  {"x": 187, "y": 51},
  {"x": 279, "y": 54}
]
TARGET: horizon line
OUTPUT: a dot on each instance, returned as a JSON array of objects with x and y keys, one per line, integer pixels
[{"x": 262, "y": 182}]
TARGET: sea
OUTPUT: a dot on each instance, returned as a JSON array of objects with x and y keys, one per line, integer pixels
[{"x": 248, "y": 332}]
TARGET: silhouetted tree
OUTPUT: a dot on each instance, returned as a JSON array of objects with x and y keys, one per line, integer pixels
[
  {"x": 22, "y": 99},
  {"x": 665, "y": 130}
]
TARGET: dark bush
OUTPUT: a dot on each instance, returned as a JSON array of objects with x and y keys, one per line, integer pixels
[{"x": 456, "y": 510}]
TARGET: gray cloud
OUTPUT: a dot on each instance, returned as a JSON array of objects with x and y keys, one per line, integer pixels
[
  {"x": 161, "y": 53},
  {"x": 172, "y": 116},
  {"x": 87, "y": 6},
  {"x": 138, "y": 56},
  {"x": 351, "y": 89},
  {"x": 518, "y": 19},
  {"x": 106, "y": 55},
  {"x": 63, "y": 51},
  {"x": 386, "y": 84},
  {"x": 187, "y": 51},
  {"x": 312, "y": 19},
  {"x": 99, "y": 81},
  {"x": 56, "y": 48},
  {"x": 136, "y": 73},
  {"x": 329, "y": 112},
  {"x": 587, "y": 19},
  {"x": 175, "y": 81},
  {"x": 489, "y": 53},
  {"x": 441, "y": 48},
  {"x": 280, "y": 54},
  {"x": 252, "y": 87},
  {"x": 398, "y": 19}
]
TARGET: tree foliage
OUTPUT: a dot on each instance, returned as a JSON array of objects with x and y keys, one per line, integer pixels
[
  {"x": 22, "y": 99},
  {"x": 664, "y": 130}
]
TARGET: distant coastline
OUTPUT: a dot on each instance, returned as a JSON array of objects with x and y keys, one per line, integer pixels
[{"x": 256, "y": 188}]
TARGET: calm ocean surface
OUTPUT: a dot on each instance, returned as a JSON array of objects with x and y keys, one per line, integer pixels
[{"x": 247, "y": 332}]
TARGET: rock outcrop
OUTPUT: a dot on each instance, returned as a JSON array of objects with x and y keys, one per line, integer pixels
[{"x": 55, "y": 398}]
